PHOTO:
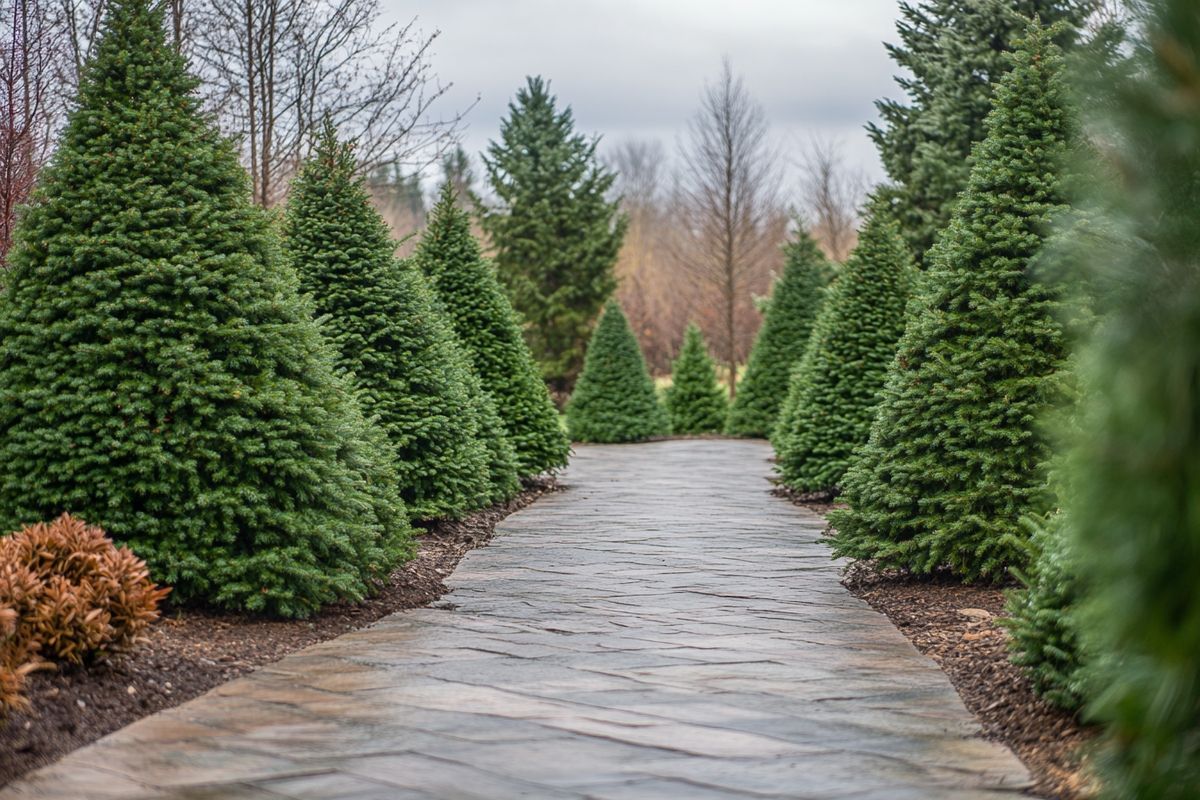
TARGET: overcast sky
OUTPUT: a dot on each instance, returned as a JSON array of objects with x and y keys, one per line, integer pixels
[{"x": 635, "y": 68}]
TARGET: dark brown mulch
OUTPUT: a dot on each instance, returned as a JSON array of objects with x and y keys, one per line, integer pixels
[
  {"x": 956, "y": 626},
  {"x": 818, "y": 502},
  {"x": 191, "y": 651}
]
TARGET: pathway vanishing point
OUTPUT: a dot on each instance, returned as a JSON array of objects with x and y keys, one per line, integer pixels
[{"x": 663, "y": 629}]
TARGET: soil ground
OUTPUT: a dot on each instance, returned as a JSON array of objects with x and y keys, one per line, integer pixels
[{"x": 190, "y": 651}]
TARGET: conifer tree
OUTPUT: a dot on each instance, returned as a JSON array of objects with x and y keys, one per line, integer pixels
[
  {"x": 952, "y": 52},
  {"x": 695, "y": 402},
  {"x": 402, "y": 355},
  {"x": 835, "y": 387},
  {"x": 955, "y": 459},
  {"x": 556, "y": 232},
  {"x": 1135, "y": 466},
  {"x": 1044, "y": 636},
  {"x": 160, "y": 374},
  {"x": 615, "y": 399},
  {"x": 787, "y": 322},
  {"x": 490, "y": 333}
]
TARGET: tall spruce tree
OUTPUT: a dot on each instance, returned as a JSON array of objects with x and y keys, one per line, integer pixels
[
  {"x": 834, "y": 389},
  {"x": 615, "y": 399},
  {"x": 953, "y": 52},
  {"x": 955, "y": 459},
  {"x": 695, "y": 402},
  {"x": 399, "y": 349},
  {"x": 555, "y": 231},
  {"x": 787, "y": 322},
  {"x": 1135, "y": 466},
  {"x": 160, "y": 374},
  {"x": 490, "y": 333}
]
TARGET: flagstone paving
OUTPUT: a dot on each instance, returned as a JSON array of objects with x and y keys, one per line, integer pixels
[{"x": 663, "y": 629}]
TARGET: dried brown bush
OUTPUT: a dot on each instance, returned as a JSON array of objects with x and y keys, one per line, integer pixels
[{"x": 67, "y": 594}]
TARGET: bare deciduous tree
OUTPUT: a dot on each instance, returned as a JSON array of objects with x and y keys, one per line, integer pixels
[
  {"x": 658, "y": 300},
  {"x": 728, "y": 203},
  {"x": 27, "y": 75},
  {"x": 832, "y": 194},
  {"x": 277, "y": 68},
  {"x": 78, "y": 24}
]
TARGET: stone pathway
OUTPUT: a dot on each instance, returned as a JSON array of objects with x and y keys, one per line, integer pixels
[{"x": 664, "y": 629}]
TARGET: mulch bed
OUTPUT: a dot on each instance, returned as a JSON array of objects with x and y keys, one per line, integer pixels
[
  {"x": 817, "y": 502},
  {"x": 190, "y": 651},
  {"x": 956, "y": 625}
]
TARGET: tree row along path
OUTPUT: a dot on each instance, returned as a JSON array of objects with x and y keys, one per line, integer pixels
[{"x": 663, "y": 629}]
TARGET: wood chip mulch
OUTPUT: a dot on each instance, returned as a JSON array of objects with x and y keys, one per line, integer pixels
[{"x": 190, "y": 651}]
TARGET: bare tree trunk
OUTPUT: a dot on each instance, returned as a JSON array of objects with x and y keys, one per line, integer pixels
[
  {"x": 728, "y": 200},
  {"x": 27, "y": 56}
]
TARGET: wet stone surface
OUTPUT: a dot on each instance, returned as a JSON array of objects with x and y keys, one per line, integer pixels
[{"x": 665, "y": 628}]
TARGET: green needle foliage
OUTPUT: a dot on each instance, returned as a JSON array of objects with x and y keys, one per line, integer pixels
[
  {"x": 787, "y": 322},
  {"x": 1043, "y": 634},
  {"x": 499, "y": 455},
  {"x": 160, "y": 374},
  {"x": 834, "y": 390},
  {"x": 401, "y": 352},
  {"x": 695, "y": 402},
  {"x": 1136, "y": 465},
  {"x": 955, "y": 458},
  {"x": 556, "y": 231},
  {"x": 615, "y": 399},
  {"x": 490, "y": 333},
  {"x": 952, "y": 53}
]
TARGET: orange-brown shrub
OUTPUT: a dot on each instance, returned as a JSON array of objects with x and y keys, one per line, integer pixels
[
  {"x": 17, "y": 660},
  {"x": 67, "y": 594}
]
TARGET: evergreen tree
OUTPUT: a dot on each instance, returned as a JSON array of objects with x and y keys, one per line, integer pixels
[
  {"x": 615, "y": 399},
  {"x": 1043, "y": 634},
  {"x": 490, "y": 333},
  {"x": 787, "y": 322},
  {"x": 953, "y": 52},
  {"x": 695, "y": 402},
  {"x": 1135, "y": 467},
  {"x": 955, "y": 460},
  {"x": 160, "y": 374},
  {"x": 834, "y": 390},
  {"x": 400, "y": 350},
  {"x": 556, "y": 232},
  {"x": 500, "y": 456}
]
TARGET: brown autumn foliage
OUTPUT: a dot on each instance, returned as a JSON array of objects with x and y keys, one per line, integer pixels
[{"x": 67, "y": 594}]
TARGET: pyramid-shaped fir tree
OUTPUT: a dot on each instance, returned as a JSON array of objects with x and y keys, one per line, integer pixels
[
  {"x": 695, "y": 401},
  {"x": 615, "y": 399},
  {"x": 955, "y": 459},
  {"x": 490, "y": 333},
  {"x": 787, "y": 322},
  {"x": 833, "y": 390},
  {"x": 1135, "y": 466},
  {"x": 160, "y": 374},
  {"x": 381, "y": 316}
]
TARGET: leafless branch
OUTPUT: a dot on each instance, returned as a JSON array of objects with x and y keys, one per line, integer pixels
[
  {"x": 832, "y": 194},
  {"x": 276, "y": 68},
  {"x": 28, "y": 58},
  {"x": 727, "y": 199}
]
